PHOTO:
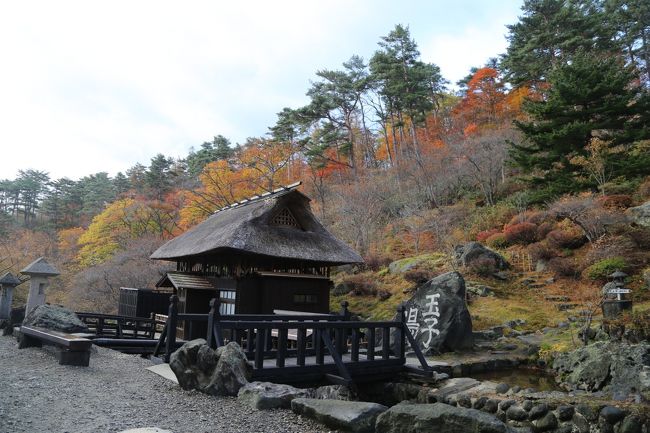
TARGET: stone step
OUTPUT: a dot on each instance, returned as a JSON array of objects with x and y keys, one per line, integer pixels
[
  {"x": 556, "y": 298},
  {"x": 354, "y": 416},
  {"x": 565, "y": 306}
]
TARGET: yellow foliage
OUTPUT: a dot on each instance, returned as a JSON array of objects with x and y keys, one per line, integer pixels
[
  {"x": 548, "y": 352},
  {"x": 100, "y": 240},
  {"x": 121, "y": 221}
]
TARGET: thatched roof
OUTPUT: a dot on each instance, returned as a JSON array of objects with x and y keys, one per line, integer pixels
[
  {"x": 259, "y": 228},
  {"x": 40, "y": 267}
]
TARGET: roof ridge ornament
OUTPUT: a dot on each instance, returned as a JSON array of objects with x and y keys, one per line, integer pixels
[{"x": 264, "y": 195}]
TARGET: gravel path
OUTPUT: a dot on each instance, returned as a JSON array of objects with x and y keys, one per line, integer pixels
[{"x": 37, "y": 395}]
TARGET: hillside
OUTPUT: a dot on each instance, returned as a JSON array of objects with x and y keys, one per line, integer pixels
[{"x": 540, "y": 158}]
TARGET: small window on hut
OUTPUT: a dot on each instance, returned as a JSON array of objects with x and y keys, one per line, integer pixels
[
  {"x": 285, "y": 218},
  {"x": 305, "y": 299}
]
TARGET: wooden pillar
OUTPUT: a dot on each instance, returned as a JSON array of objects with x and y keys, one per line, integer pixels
[
  {"x": 171, "y": 327},
  {"x": 400, "y": 331},
  {"x": 340, "y": 334},
  {"x": 214, "y": 330}
]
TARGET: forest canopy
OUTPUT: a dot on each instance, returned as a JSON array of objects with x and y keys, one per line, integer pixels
[{"x": 396, "y": 159}]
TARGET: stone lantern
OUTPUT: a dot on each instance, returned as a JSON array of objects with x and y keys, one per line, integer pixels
[
  {"x": 39, "y": 272},
  {"x": 7, "y": 283},
  {"x": 615, "y": 302}
]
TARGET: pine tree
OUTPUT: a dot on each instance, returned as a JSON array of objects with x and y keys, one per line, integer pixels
[
  {"x": 218, "y": 149},
  {"x": 589, "y": 98},
  {"x": 157, "y": 177},
  {"x": 549, "y": 33}
]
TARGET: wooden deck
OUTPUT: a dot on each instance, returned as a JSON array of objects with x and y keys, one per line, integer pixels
[{"x": 286, "y": 348}]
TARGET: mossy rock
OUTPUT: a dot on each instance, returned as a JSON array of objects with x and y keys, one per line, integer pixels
[{"x": 432, "y": 261}]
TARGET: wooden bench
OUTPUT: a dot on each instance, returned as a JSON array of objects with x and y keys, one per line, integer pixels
[{"x": 73, "y": 349}]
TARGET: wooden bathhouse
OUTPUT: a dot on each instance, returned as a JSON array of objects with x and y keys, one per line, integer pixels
[{"x": 265, "y": 253}]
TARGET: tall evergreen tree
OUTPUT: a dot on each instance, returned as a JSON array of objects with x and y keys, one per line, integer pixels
[
  {"x": 336, "y": 107},
  {"x": 548, "y": 34},
  {"x": 219, "y": 148},
  {"x": 158, "y": 177},
  {"x": 136, "y": 175},
  {"x": 589, "y": 98},
  {"x": 97, "y": 191},
  {"x": 630, "y": 21},
  {"x": 409, "y": 87},
  {"x": 121, "y": 183},
  {"x": 30, "y": 185}
]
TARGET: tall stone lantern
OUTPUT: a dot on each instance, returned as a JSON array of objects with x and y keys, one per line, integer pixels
[
  {"x": 7, "y": 283},
  {"x": 39, "y": 272},
  {"x": 615, "y": 297}
]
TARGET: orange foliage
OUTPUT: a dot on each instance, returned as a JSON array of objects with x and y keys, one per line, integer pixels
[
  {"x": 487, "y": 103},
  {"x": 261, "y": 165}
]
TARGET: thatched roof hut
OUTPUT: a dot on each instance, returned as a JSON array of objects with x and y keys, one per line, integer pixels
[
  {"x": 265, "y": 253},
  {"x": 272, "y": 231}
]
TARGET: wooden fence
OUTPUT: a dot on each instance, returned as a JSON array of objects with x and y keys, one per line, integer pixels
[
  {"x": 114, "y": 326},
  {"x": 290, "y": 347}
]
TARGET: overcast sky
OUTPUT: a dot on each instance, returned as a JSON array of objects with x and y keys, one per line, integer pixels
[{"x": 88, "y": 86}]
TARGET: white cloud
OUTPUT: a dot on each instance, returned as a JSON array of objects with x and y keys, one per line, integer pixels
[
  {"x": 89, "y": 86},
  {"x": 457, "y": 53}
]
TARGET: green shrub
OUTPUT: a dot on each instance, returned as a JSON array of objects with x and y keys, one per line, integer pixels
[{"x": 600, "y": 270}]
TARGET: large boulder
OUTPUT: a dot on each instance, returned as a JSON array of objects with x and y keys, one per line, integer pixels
[
  {"x": 354, "y": 416},
  {"x": 55, "y": 318},
  {"x": 437, "y": 315},
  {"x": 232, "y": 371},
  {"x": 474, "y": 252},
  {"x": 613, "y": 367},
  {"x": 640, "y": 214},
  {"x": 439, "y": 418},
  {"x": 266, "y": 395},
  {"x": 217, "y": 372}
]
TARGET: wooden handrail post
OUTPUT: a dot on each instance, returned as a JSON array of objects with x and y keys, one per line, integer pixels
[
  {"x": 340, "y": 335},
  {"x": 152, "y": 332},
  {"x": 216, "y": 327},
  {"x": 344, "y": 310},
  {"x": 402, "y": 338},
  {"x": 212, "y": 317},
  {"x": 171, "y": 327}
]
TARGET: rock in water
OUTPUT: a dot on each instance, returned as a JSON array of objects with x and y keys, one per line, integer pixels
[
  {"x": 473, "y": 251},
  {"x": 439, "y": 418},
  {"x": 55, "y": 318},
  {"x": 266, "y": 395},
  {"x": 354, "y": 416},
  {"x": 437, "y": 315},
  {"x": 220, "y": 372}
]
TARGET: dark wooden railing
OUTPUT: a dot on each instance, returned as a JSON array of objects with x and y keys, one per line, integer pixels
[
  {"x": 283, "y": 345},
  {"x": 123, "y": 327}
]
